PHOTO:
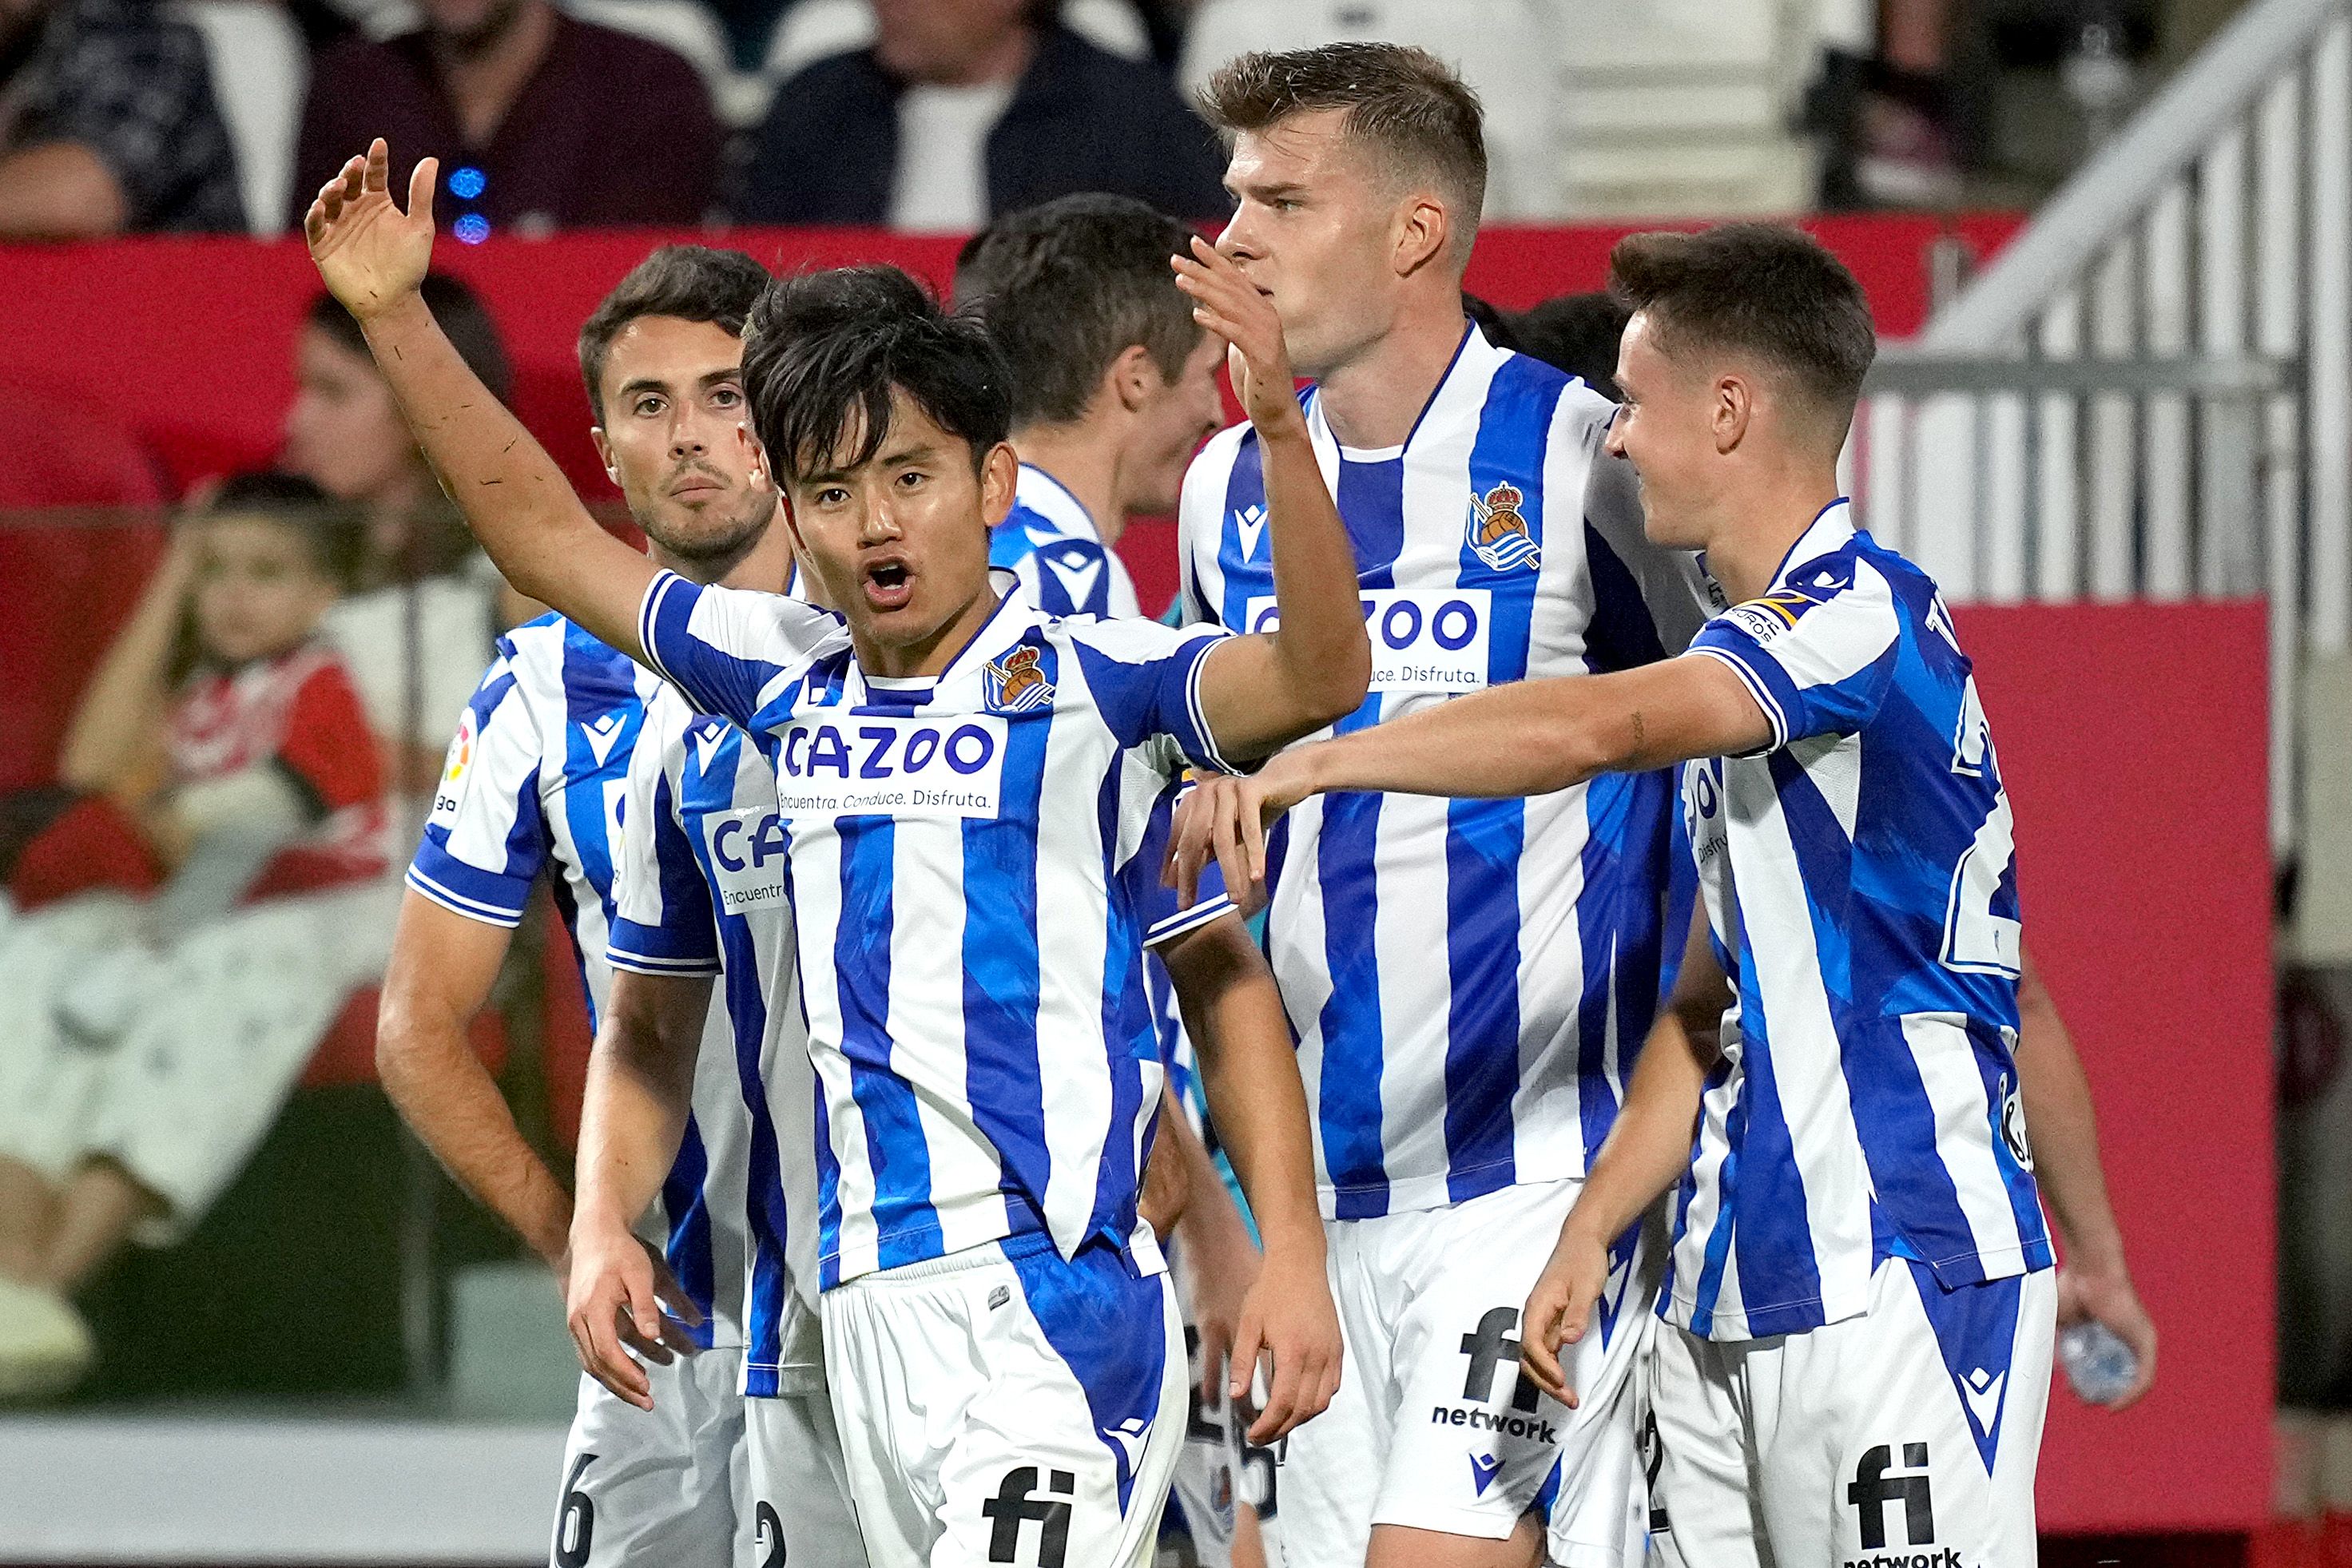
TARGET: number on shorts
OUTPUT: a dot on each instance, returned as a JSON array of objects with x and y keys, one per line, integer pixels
[
  {"x": 768, "y": 1536},
  {"x": 1976, "y": 940},
  {"x": 575, "y": 1527}
]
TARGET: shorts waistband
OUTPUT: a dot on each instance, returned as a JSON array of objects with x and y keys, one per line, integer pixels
[{"x": 1010, "y": 1249}]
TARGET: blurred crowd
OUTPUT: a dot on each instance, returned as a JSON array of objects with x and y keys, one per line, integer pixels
[{"x": 222, "y": 116}]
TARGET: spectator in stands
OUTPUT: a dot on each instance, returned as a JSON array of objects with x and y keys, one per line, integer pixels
[
  {"x": 152, "y": 1023},
  {"x": 108, "y": 124},
  {"x": 963, "y": 110},
  {"x": 418, "y": 629},
  {"x": 541, "y": 120}
]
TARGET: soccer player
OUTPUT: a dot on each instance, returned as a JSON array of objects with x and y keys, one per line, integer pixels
[
  {"x": 962, "y": 783},
  {"x": 1114, "y": 386},
  {"x": 535, "y": 776},
  {"x": 1855, "y": 1360},
  {"x": 1469, "y": 982}
]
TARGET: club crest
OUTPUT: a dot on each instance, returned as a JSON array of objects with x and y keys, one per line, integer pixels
[
  {"x": 1016, "y": 682},
  {"x": 1497, "y": 535}
]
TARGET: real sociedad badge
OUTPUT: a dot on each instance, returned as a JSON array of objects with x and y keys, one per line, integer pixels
[
  {"x": 1015, "y": 683},
  {"x": 1497, "y": 535}
]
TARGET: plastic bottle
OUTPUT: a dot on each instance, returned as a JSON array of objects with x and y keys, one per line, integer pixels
[{"x": 2097, "y": 1362}]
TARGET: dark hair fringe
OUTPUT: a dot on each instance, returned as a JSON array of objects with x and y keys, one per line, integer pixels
[
  {"x": 1068, "y": 286},
  {"x": 690, "y": 282},
  {"x": 1763, "y": 290},
  {"x": 822, "y": 351},
  {"x": 332, "y": 531},
  {"x": 459, "y": 312}
]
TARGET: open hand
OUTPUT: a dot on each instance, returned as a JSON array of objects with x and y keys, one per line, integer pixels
[
  {"x": 1559, "y": 1310},
  {"x": 623, "y": 1304},
  {"x": 1225, "y": 818},
  {"x": 1227, "y": 303},
  {"x": 1289, "y": 1317},
  {"x": 370, "y": 255}
]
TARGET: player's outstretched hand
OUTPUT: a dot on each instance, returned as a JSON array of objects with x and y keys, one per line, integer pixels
[
  {"x": 2106, "y": 1296},
  {"x": 1227, "y": 303},
  {"x": 369, "y": 253},
  {"x": 618, "y": 1289},
  {"x": 1560, "y": 1310},
  {"x": 1287, "y": 1316},
  {"x": 1225, "y": 818}
]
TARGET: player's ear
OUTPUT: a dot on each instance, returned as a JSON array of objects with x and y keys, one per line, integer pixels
[
  {"x": 1733, "y": 405},
  {"x": 1422, "y": 232},
  {"x": 604, "y": 453},
  {"x": 1000, "y": 472},
  {"x": 1132, "y": 377}
]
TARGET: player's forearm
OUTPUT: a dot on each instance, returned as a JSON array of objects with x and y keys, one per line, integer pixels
[
  {"x": 634, "y": 1110},
  {"x": 512, "y": 495},
  {"x": 1319, "y": 644},
  {"x": 2064, "y": 1133},
  {"x": 1648, "y": 1148},
  {"x": 1528, "y": 737},
  {"x": 1250, "y": 1071},
  {"x": 448, "y": 1099},
  {"x": 1211, "y": 1225}
]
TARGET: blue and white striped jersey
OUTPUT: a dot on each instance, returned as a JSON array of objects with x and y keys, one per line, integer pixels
[
  {"x": 539, "y": 769},
  {"x": 1469, "y": 980},
  {"x": 1050, "y": 541},
  {"x": 966, "y": 885},
  {"x": 1857, "y": 879},
  {"x": 702, "y": 890}
]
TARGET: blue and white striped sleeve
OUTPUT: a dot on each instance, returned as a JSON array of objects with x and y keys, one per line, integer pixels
[
  {"x": 1818, "y": 658},
  {"x": 1155, "y": 902},
  {"x": 1146, "y": 681},
  {"x": 662, "y": 919},
  {"x": 726, "y": 647},
  {"x": 486, "y": 837}
]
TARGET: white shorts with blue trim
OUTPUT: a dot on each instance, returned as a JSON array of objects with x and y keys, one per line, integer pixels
[
  {"x": 1433, "y": 1427},
  {"x": 663, "y": 1486},
  {"x": 1906, "y": 1437},
  {"x": 1006, "y": 1406}
]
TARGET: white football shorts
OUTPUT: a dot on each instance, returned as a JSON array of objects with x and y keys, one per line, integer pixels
[
  {"x": 1906, "y": 1437},
  {"x": 799, "y": 1492},
  {"x": 1433, "y": 1427},
  {"x": 659, "y": 1486},
  {"x": 1004, "y": 1405}
]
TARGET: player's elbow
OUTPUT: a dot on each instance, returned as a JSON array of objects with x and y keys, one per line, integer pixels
[
  {"x": 1562, "y": 751},
  {"x": 1335, "y": 686}
]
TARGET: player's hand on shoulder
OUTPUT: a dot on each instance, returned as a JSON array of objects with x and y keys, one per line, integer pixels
[
  {"x": 616, "y": 1295},
  {"x": 369, "y": 254},
  {"x": 1227, "y": 303},
  {"x": 1560, "y": 1310},
  {"x": 1288, "y": 1315}
]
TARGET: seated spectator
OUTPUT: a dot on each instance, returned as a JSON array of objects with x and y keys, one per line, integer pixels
[
  {"x": 156, "y": 1014},
  {"x": 963, "y": 110},
  {"x": 108, "y": 124},
  {"x": 541, "y": 120},
  {"x": 418, "y": 629}
]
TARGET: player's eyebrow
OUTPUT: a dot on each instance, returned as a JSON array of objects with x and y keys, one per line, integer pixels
[
  {"x": 720, "y": 377},
  {"x": 636, "y": 384},
  {"x": 1266, "y": 190}
]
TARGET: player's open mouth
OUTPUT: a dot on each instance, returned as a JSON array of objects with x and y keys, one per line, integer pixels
[{"x": 887, "y": 584}]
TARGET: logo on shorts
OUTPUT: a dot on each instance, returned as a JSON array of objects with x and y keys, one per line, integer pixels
[
  {"x": 1016, "y": 682},
  {"x": 1874, "y": 1489},
  {"x": 1488, "y": 1346},
  {"x": 1484, "y": 1469},
  {"x": 1496, "y": 534},
  {"x": 1014, "y": 1506},
  {"x": 2012, "y": 1127}
]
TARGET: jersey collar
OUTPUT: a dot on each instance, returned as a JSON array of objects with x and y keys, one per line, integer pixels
[
  {"x": 1457, "y": 399},
  {"x": 1831, "y": 527},
  {"x": 1006, "y": 626}
]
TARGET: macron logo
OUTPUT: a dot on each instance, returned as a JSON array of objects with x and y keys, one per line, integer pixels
[
  {"x": 1079, "y": 575},
  {"x": 602, "y": 734},
  {"x": 1982, "y": 1391},
  {"x": 1484, "y": 1469},
  {"x": 1250, "y": 523}
]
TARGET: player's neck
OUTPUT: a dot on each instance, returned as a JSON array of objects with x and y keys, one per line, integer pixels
[
  {"x": 1759, "y": 527},
  {"x": 1375, "y": 397},
  {"x": 1083, "y": 460},
  {"x": 930, "y": 655}
]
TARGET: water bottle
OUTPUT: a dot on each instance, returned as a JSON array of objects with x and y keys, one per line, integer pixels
[{"x": 2097, "y": 1362}]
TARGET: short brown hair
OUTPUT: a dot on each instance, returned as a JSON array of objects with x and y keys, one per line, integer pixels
[
  {"x": 1754, "y": 289},
  {"x": 690, "y": 282},
  {"x": 1404, "y": 101}
]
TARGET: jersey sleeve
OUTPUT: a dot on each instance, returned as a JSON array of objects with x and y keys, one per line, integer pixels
[
  {"x": 328, "y": 749},
  {"x": 662, "y": 921},
  {"x": 726, "y": 647},
  {"x": 1154, "y": 902},
  {"x": 1200, "y": 513},
  {"x": 1146, "y": 681},
  {"x": 485, "y": 838},
  {"x": 1818, "y": 653}
]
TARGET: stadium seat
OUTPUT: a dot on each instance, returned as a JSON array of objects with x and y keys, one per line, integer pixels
[
  {"x": 1507, "y": 50},
  {"x": 259, "y": 68}
]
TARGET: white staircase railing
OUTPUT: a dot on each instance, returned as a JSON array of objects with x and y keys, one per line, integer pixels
[{"x": 2148, "y": 394}]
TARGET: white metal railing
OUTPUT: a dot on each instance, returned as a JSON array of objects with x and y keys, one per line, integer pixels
[{"x": 2148, "y": 394}]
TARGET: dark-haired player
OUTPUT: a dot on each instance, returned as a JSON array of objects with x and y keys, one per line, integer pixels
[
  {"x": 1860, "y": 1305},
  {"x": 1114, "y": 386},
  {"x": 1469, "y": 982},
  {"x": 534, "y": 782},
  {"x": 962, "y": 784}
]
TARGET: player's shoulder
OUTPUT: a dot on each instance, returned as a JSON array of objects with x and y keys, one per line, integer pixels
[
  {"x": 1217, "y": 456},
  {"x": 1546, "y": 394},
  {"x": 1129, "y": 639}
]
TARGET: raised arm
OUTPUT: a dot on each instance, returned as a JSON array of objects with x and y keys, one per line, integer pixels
[
  {"x": 1528, "y": 738},
  {"x": 372, "y": 258},
  {"x": 113, "y": 745},
  {"x": 1263, "y": 690}
]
